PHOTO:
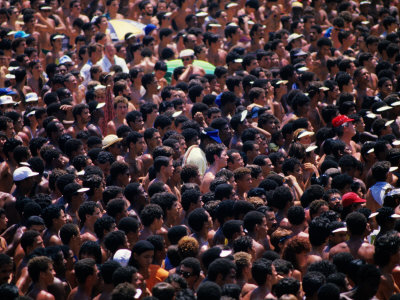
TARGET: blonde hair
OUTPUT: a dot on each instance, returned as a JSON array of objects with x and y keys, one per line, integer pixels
[{"x": 120, "y": 99}]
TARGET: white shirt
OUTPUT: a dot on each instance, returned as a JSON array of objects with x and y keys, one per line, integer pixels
[
  {"x": 105, "y": 64},
  {"x": 85, "y": 72}
]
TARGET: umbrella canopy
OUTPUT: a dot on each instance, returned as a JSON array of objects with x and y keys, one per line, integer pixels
[
  {"x": 172, "y": 64},
  {"x": 118, "y": 28}
]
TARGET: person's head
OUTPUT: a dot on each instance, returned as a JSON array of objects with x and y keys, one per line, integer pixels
[
  {"x": 70, "y": 235},
  {"x": 104, "y": 225},
  {"x": 255, "y": 223},
  {"x": 356, "y": 224},
  {"x": 54, "y": 217},
  {"x": 189, "y": 269},
  {"x": 86, "y": 272},
  {"x": 263, "y": 272},
  {"x": 89, "y": 212},
  {"x": 30, "y": 240},
  {"x": 209, "y": 290},
  {"x": 90, "y": 249},
  {"x": 222, "y": 271},
  {"x": 117, "y": 208},
  {"x": 41, "y": 270},
  {"x": 152, "y": 214},
  {"x": 142, "y": 255},
  {"x": 243, "y": 178}
]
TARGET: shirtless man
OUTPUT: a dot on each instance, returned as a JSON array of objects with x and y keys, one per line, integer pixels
[
  {"x": 320, "y": 57},
  {"x": 54, "y": 218},
  {"x": 136, "y": 146},
  {"x": 55, "y": 52},
  {"x": 121, "y": 109},
  {"x": 187, "y": 57},
  {"x": 215, "y": 54},
  {"x": 265, "y": 276},
  {"x": 86, "y": 282},
  {"x": 42, "y": 273},
  {"x": 146, "y": 16},
  {"x": 345, "y": 130},
  {"x": 81, "y": 115},
  {"x": 46, "y": 26},
  {"x": 88, "y": 213},
  {"x": 164, "y": 170},
  {"x": 356, "y": 245},
  {"x": 217, "y": 158}
]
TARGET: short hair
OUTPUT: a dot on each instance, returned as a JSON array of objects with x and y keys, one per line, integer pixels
[
  {"x": 260, "y": 270},
  {"x": 67, "y": 232},
  {"x": 219, "y": 266},
  {"x": 114, "y": 240},
  {"x": 209, "y": 290},
  {"x": 213, "y": 149},
  {"x": 107, "y": 269},
  {"x": 231, "y": 227},
  {"x": 188, "y": 247},
  {"x": 90, "y": 248},
  {"x": 197, "y": 218},
  {"x": 251, "y": 219},
  {"x": 189, "y": 197},
  {"x": 101, "y": 224},
  {"x": 123, "y": 274},
  {"x": 83, "y": 269},
  {"x": 163, "y": 291},
  {"x": 36, "y": 265},
  {"x": 287, "y": 285},
  {"x": 86, "y": 208},
  {"x": 188, "y": 172},
  {"x": 115, "y": 207},
  {"x": 150, "y": 213},
  {"x": 28, "y": 238},
  {"x": 50, "y": 213}
]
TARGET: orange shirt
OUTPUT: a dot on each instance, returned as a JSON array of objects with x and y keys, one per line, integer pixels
[{"x": 157, "y": 274}]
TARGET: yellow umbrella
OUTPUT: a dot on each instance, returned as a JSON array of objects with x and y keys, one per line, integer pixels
[{"x": 118, "y": 28}]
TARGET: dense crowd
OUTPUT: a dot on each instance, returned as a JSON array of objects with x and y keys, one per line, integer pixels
[{"x": 191, "y": 149}]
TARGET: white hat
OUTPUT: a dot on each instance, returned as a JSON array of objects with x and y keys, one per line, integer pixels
[
  {"x": 384, "y": 108},
  {"x": 388, "y": 123},
  {"x": 31, "y": 113},
  {"x": 396, "y": 142},
  {"x": 341, "y": 229},
  {"x": 65, "y": 59},
  {"x": 177, "y": 113},
  {"x": 186, "y": 52},
  {"x": 100, "y": 105},
  {"x": 324, "y": 88},
  {"x": 10, "y": 76},
  {"x": 45, "y": 8},
  {"x": 110, "y": 139},
  {"x": 214, "y": 25},
  {"x": 392, "y": 169},
  {"x": 238, "y": 60},
  {"x": 232, "y": 4},
  {"x": 374, "y": 214},
  {"x": 5, "y": 99},
  {"x": 395, "y": 216},
  {"x": 396, "y": 103},
  {"x": 167, "y": 14},
  {"x": 23, "y": 173},
  {"x": 58, "y": 36},
  {"x": 303, "y": 69},
  {"x": 282, "y": 82},
  {"x": 122, "y": 256},
  {"x": 304, "y": 133},
  {"x": 311, "y": 148},
  {"x": 294, "y": 36},
  {"x": 372, "y": 150},
  {"x": 99, "y": 87},
  {"x": 243, "y": 115},
  {"x": 31, "y": 97},
  {"x": 201, "y": 14}
]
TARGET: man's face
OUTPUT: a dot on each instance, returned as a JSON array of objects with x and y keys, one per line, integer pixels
[
  {"x": 187, "y": 274},
  {"x": 244, "y": 183},
  {"x": 231, "y": 277},
  {"x": 148, "y": 9},
  {"x": 155, "y": 140},
  {"x": 272, "y": 224},
  {"x": 10, "y": 130},
  {"x": 49, "y": 275},
  {"x": 170, "y": 169},
  {"x": 237, "y": 161},
  {"x": 85, "y": 115},
  {"x": 140, "y": 146}
]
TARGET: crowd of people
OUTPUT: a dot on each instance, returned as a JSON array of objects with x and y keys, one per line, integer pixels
[{"x": 241, "y": 150}]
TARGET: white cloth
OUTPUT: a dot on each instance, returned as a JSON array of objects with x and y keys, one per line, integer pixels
[
  {"x": 105, "y": 64},
  {"x": 85, "y": 72}
]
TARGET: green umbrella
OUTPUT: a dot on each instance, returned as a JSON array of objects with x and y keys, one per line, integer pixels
[{"x": 172, "y": 64}]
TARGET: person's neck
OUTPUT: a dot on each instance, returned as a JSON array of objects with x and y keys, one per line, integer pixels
[
  {"x": 80, "y": 125},
  {"x": 94, "y": 60},
  {"x": 362, "y": 86},
  {"x": 318, "y": 250},
  {"x": 169, "y": 222},
  {"x": 86, "y": 290},
  {"x": 88, "y": 228},
  {"x": 40, "y": 286},
  {"x": 152, "y": 228},
  {"x": 162, "y": 177},
  {"x": 132, "y": 154},
  {"x": 214, "y": 169},
  {"x": 356, "y": 239},
  {"x": 346, "y": 139},
  {"x": 107, "y": 288}
]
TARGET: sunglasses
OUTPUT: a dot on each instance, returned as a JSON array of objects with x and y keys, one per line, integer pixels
[
  {"x": 184, "y": 274},
  {"x": 187, "y": 59}
]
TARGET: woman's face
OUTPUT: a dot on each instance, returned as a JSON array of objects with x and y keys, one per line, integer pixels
[
  {"x": 145, "y": 259},
  {"x": 302, "y": 259}
]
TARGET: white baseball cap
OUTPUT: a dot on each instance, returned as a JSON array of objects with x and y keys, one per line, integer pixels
[
  {"x": 23, "y": 173},
  {"x": 31, "y": 97}
]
